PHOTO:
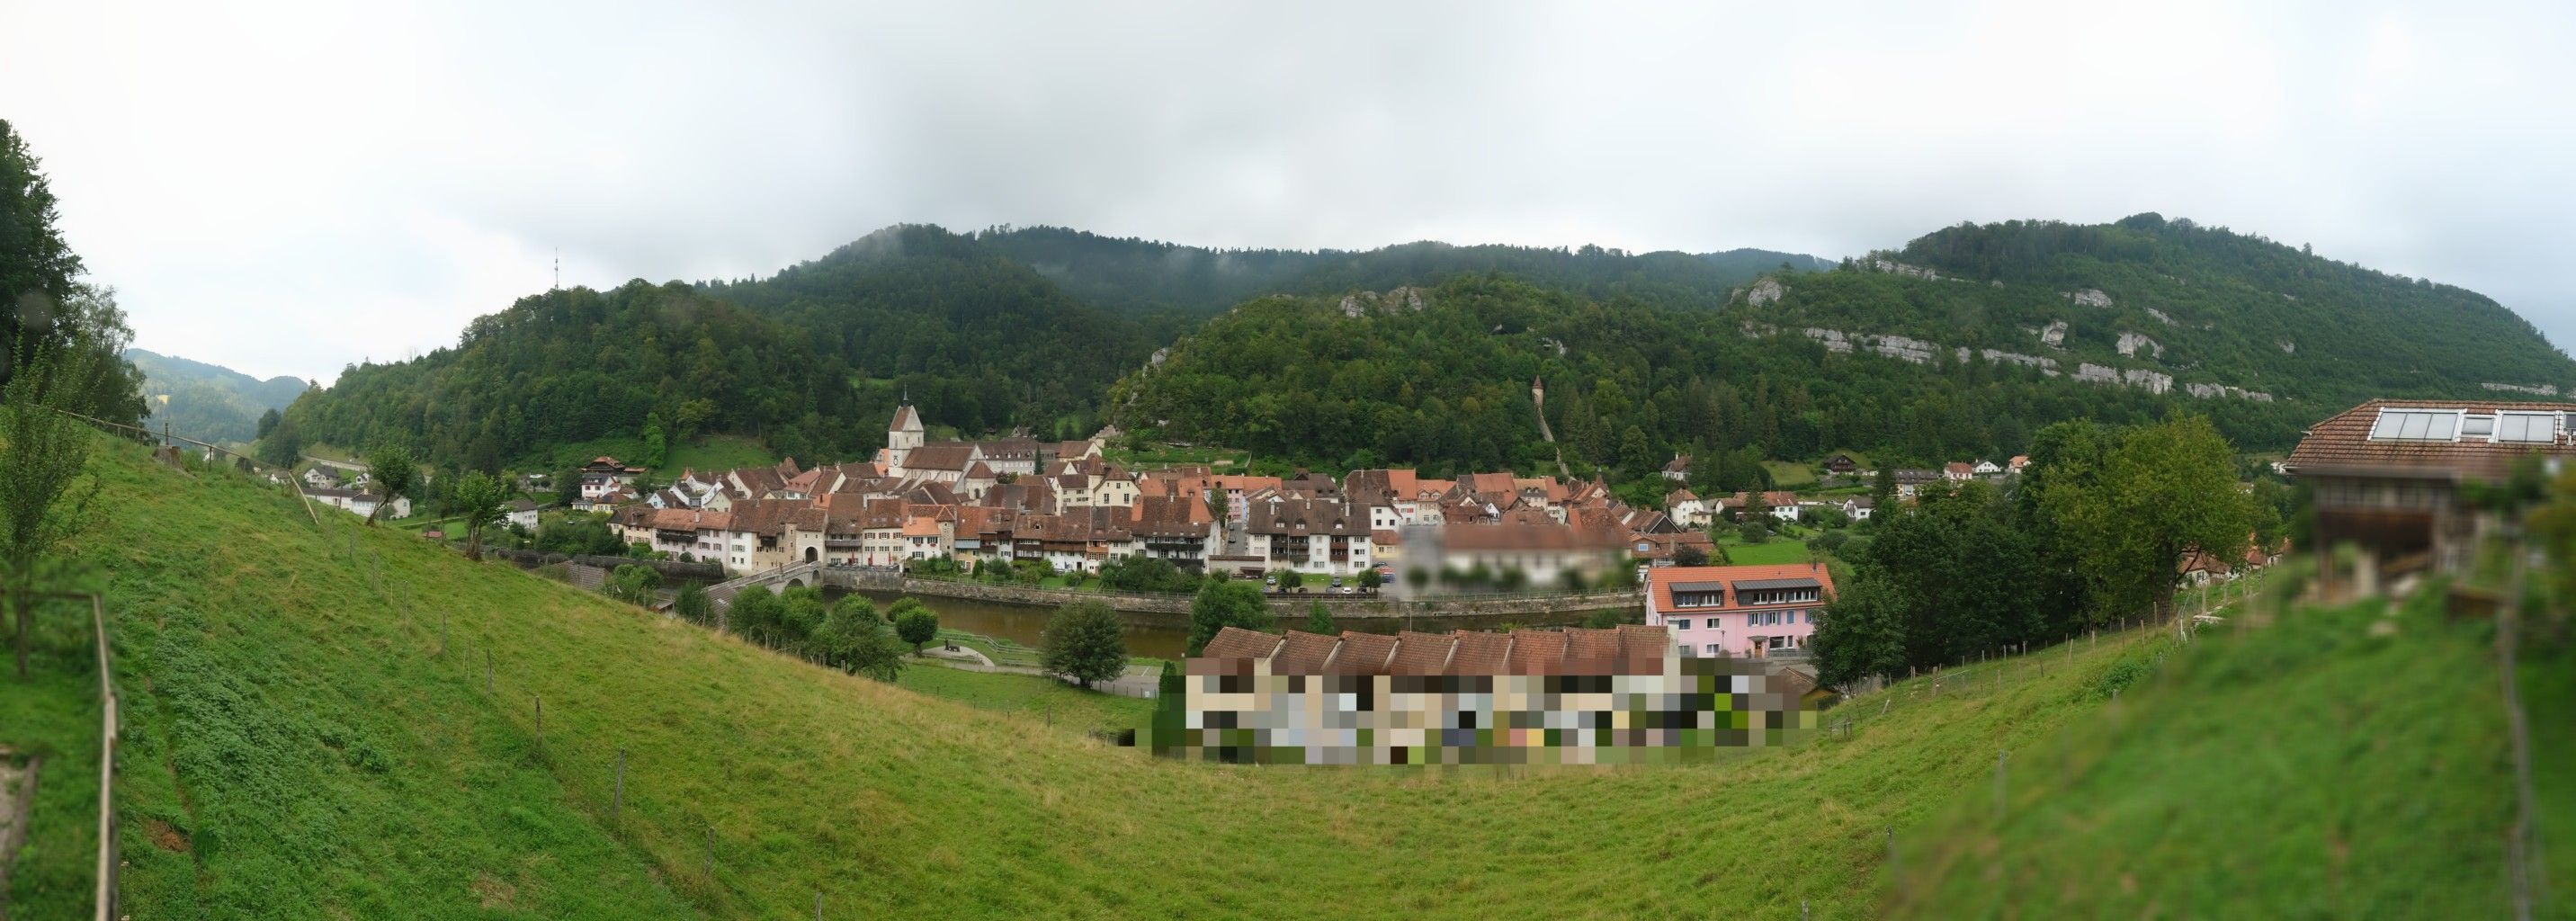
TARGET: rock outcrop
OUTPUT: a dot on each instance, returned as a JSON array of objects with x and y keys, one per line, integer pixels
[
  {"x": 1765, "y": 292},
  {"x": 1358, "y": 305},
  {"x": 2132, "y": 343},
  {"x": 2544, "y": 390},
  {"x": 2089, "y": 297}
]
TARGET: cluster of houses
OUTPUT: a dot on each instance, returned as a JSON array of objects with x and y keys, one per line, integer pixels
[
  {"x": 1015, "y": 499},
  {"x": 326, "y": 486}
]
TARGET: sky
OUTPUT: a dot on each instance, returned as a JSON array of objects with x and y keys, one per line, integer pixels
[{"x": 289, "y": 189}]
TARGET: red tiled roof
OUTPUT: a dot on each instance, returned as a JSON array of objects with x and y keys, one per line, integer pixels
[
  {"x": 1660, "y": 581},
  {"x": 1481, "y": 654},
  {"x": 1423, "y": 653},
  {"x": 1363, "y": 653},
  {"x": 1303, "y": 653},
  {"x": 1239, "y": 643}
]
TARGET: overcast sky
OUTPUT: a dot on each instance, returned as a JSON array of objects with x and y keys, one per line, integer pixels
[{"x": 289, "y": 190}]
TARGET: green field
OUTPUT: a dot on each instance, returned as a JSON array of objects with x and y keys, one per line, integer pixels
[
  {"x": 313, "y": 754},
  {"x": 1777, "y": 550},
  {"x": 1790, "y": 474}
]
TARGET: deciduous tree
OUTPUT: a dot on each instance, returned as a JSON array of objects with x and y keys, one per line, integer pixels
[
  {"x": 477, "y": 497},
  {"x": 1086, "y": 640}
]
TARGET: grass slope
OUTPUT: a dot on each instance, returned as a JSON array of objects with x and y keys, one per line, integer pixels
[
  {"x": 52, "y": 714},
  {"x": 2309, "y": 769},
  {"x": 314, "y": 756}
]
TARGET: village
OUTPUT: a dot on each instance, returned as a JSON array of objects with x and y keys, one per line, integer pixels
[{"x": 1061, "y": 510}]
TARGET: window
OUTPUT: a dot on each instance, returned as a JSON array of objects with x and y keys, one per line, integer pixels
[
  {"x": 2526, "y": 427},
  {"x": 1681, "y": 625},
  {"x": 2416, "y": 425},
  {"x": 1712, "y": 649},
  {"x": 2478, "y": 427}
]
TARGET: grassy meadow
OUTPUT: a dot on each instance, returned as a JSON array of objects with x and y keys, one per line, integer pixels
[
  {"x": 53, "y": 715},
  {"x": 300, "y": 745}
]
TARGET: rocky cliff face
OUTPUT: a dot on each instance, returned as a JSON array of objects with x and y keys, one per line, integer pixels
[
  {"x": 2133, "y": 343},
  {"x": 1765, "y": 292},
  {"x": 1919, "y": 351},
  {"x": 2542, "y": 390},
  {"x": 2089, "y": 297},
  {"x": 1366, "y": 302}
]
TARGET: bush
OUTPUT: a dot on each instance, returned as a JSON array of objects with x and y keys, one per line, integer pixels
[
  {"x": 693, "y": 605},
  {"x": 1085, "y": 640},
  {"x": 1753, "y": 531},
  {"x": 634, "y": 584}
]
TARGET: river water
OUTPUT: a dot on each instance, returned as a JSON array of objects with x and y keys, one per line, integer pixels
[{"x": 1167, "y": 636}]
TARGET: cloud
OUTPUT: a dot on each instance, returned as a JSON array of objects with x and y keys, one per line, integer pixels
[{"x": 291, "y": 189}]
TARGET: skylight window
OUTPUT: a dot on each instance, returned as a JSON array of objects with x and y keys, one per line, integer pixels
[
  {"x": 2526, "y": 427},
  {"x": 2478, "y": 427},
  {"x": 2416, "y": 425}
]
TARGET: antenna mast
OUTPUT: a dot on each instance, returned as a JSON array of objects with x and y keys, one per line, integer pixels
[{"x": 558, "y": 268}]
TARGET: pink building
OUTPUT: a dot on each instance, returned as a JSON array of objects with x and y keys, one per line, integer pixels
[{"x": 1738, "y": 610}]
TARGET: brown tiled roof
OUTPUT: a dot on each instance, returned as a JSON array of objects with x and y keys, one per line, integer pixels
[
  {"x": 1422, "y": 653},
  {"x": 1537, "y": 652},
  {"x": 1239, "y": 643},
  {"x": 1171, "y": 516},
  {"x": 1527, "y": 537},
  {"x": 1481, "y": 654},
  {"x": 1591, "y": 652},
  {"x": 2342, "y": 443},
  {"x": 939, "y": 457},
  {"x": 1304, "y": 653},
  {"x": 1638, "y": 642},
  {"x": 1363, "y": 653},
  {"x": 766, "y": 516}
]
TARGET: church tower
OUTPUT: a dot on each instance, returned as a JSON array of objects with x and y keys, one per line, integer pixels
[{"x": 903, "y": 435}]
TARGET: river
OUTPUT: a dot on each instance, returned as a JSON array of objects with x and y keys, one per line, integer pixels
[{"x": 1164, "y": 636}]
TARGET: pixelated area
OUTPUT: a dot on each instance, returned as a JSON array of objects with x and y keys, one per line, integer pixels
[{"x": 1575, "y": 697}]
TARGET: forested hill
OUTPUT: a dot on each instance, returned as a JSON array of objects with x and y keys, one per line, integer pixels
[
  {"x": 2223, "y": 307},
  {"x": 1958, "y": 346},
  {"x": 980, "y": 341},
  {"x": 1165, "y": 280},
  {"x": 575, "y": 365},
  {"x": 209, "y": 401},
  {"x": 1628, "y": 385}
]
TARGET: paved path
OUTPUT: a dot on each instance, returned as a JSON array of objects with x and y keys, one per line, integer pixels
[{"x": 1141, "y": 681}]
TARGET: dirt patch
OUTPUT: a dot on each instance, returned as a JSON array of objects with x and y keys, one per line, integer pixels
[
  {"x": 493, "y": 892},
  {"x": 165, "y": 837}
]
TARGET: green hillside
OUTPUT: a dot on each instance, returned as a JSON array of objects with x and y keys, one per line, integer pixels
[
  {"x": 1628, "y": 386},
  {"x": 2326, "y": 766},
  {"x": 312, "y": 755},
  {"x": 1157, "y": 279},
  {"x": 206, "y": 401}
]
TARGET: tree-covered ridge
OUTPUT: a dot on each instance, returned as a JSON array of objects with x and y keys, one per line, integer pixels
[
  {"x": 206, "y": 401},
  {"x": 2237, "y": 308},
  {"x": 576, "y": 364},
  {"x": 1447, "y": 388},
  {"x": 1164, "y": 280},
  {"x": 978, "y": 340}
]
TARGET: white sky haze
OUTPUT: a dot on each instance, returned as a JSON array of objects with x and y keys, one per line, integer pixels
[{"x": 285, "y": 189}]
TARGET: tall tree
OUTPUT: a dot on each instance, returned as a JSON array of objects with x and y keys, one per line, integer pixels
[
  {"x": 2166, "y": 487},
  {"x": 44, "y": 497},
  {"x": 1230, "y": 603},
  {"x": 477, "y": 497},
  {"x": 916, "y": 625},
  {"x": 1085, "y": 640},
  {"x": 37, "y": 268},
  {"x": 394, "y": 472}
]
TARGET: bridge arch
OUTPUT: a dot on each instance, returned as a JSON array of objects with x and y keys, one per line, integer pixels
[{"x": 798, "y": 582}]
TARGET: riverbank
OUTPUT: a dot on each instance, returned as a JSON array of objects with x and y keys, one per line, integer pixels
[{"x": 1343, "y": 607}]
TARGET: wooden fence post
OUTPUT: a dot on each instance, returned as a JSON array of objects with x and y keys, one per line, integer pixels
[{"x": 2000, "y": 756}]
